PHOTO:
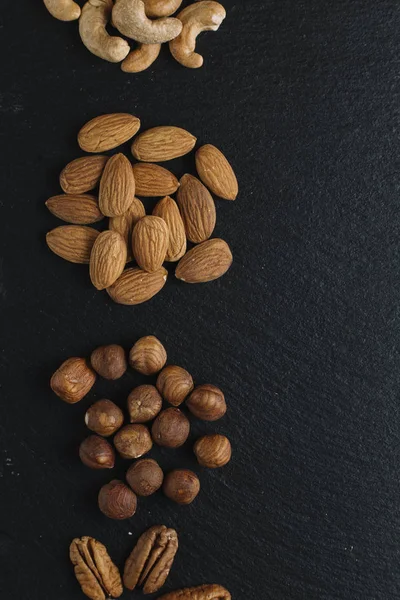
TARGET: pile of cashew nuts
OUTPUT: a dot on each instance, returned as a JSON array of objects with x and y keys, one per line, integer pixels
[{"x": 148, "y": 22}]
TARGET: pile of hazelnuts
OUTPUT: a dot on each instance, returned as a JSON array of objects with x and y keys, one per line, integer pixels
[{"x": 170, "y": 427}]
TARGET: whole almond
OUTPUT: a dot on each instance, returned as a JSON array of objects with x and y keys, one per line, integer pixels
[
  {"x": 197, "y": 208},
  {"x": 107, "y": 132},
  {"x": 117, "y": 186},
  {"x": 205, "y": 262},
  {"x": 107, "y": 260},
  {"x": 125, "y": 223},
  {"x": 150, "y": 243},
  {"x": 216, "y": 172},
  {"x": 152, "y": 180},
  {"x": 135, "y": 286},
  {"x": 168, "y": 210},
  {"x": 72, "y": 242},
  {"x": 80, "y": 209},
  {"x": 162, "y": 143},
  {"x": 82, "y": 174}
]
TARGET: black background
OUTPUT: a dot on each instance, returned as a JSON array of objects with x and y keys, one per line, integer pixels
[{"x": 302, "y": 334}]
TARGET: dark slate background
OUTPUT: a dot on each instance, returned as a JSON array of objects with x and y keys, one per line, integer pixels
[{"x": 302, "y": 334}]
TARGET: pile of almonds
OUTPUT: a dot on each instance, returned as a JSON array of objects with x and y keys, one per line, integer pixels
[
  {"x": 170, "y": 427},
  {"x": 152, "y": 239},
  {"x": 147, "y": 22}
]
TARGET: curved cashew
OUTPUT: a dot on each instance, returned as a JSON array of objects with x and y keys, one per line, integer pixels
[
  {"x": 129, "y": 17},
  {"x": 92, "y": 28},
  {"x": 161, "y": 8},
  {"x": 198, "y": 17},
  {"x": 141, "y": 58},
  {"x": 63, "y": 10}
]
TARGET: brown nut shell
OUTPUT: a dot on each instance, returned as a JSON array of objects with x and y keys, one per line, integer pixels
[
  {"x": 148, "y": 356},
  {"x": 207, "y": 402},
  {"x": 174, "y": 384},
  {"x": 144, "y": 403},
  {"x": 73, "y": 380},
  {"x": 104, "y": 418},
  {"x": 213, "y": 451},
  {"x": 96, "y": 453},
  {"x": 171, "y": 428},
  {"x": 202, "y": 592},
  {"x": 117, "y": 501},
  {"x": 109, "y": 361},
  {"x": 145, "y": 477},
  {"x": 181, "y": 486},
  {"x": 133, "y": 441}
]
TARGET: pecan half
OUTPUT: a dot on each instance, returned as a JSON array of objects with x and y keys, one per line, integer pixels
[
  {"x": 151, "y": 559},
  {"x": 96, "y": 573},
  {"x": 202, "y": 592}
]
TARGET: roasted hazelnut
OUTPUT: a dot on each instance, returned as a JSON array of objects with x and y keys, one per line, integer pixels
[
  {"x": 104, "y": 417},
  {"x": 132, "y": 441},
  {"x": 117, "y": 500},
  {"x": 174, "y": 384},
  {"x": 144, "y": 403},
  {"x": 109, "y": 361},
  {"x": 171, "y": 428},
  {"x": 145, "y": 477},
  {"x": 207, "y": 402},
  {"x": 148, "y": 355},
  {"x": 213, "y": 451},
  {"x": 181, "y": 486},
  {"x": 73, "y": 380},
  {"x": 97, "y": 453}
]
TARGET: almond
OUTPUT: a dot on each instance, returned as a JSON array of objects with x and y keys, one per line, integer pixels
[
  {"x": 117, "y": 186},
  {"x": 150, "y": 243},
  {"x": 107, "y": 260},
  {"x": 205, "y": 262},
  {"x": 82, "y": 174},
  {"x": 168, "y": 210},
  {"x": 162, "y": 143},
  {"x": 197, "y": 208},
  {"x": 80, "y": 209},
  {"x": 72, "y": 242},
  {"x": 107, "y": 132},
  {"x": 216, "y": 172},
  {"x": 152, "y": 180},
  {"x": 136, "y": 286},
  {"x": 125, "y": 223}
]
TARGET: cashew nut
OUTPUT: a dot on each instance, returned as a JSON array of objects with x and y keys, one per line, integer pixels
[
  {"x": 198, "y": 17},
  {"x": 141, "y": 58},
  {"x": 129, "y": 17},
  {"x": 161, "y": 8},
  {"x": 63, "y": 10},
  {"x": 92, "y": 28}
]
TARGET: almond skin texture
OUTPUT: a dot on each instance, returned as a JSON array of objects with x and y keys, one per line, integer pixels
[
  {"x": 107, "y": 132},
  {"x": 83, "y": 174},
  {"x": 108, "y": 259},
  {"x": 150, "y": 243},
  {"x": 168, "y": 210},
  {"x": 117, "y": 186},
  {"x": 125, "y": 223},
  {"x": 216, "y": 173},
  {"x": 162, "y": 143},
  {"x": 205, "y": 262},
  {"x": 73, "y": 380},
  {"x": 136, "y": 286},
  {"x": 197, "y": 209},
  {"x": 72, "y": 242},
  {"x": 152, "y": 180},
  {"x": 74, "y": 208}
]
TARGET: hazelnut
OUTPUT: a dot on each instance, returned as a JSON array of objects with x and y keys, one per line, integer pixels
[
  {"x": 174, "y": 384},
  {"x": 117, "y": 501},
  {"x": 144, "y": 403},
  {"x": 148, "y": 355},
  {"x": 97, "y": 453},
  {"x": 109, "y": 361},
  {"x": 207, "y": 402},
  {"x": 171, "y": 428},
  {"x": 213, "y": 451},
  {"x": 104, "y": 417},
  {"x": 145, "y": 477},
  {"x": 181, "y": 486},
  {"x": 132, "y": 441},
  {"x": 73, "y": 380}
]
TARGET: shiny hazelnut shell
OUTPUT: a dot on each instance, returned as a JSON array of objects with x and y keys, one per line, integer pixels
[
  {"x": 104, "y": 418},
  {"x": 213, "y": 451},
  {"x": 109, "y": 361},
  {"x": 174, "y": 384},
  {"x": 145, "y": 477},
  {"x": 171, "y": 428},
  {"x": 148, "y": 355},
  {"x": 95, "y": 452},
  {"x": 73, "y": 380},
  {"x": 181, "y": 486},
  {"x": 117, "y": 501},
  {"x": 207, "y": 402},
  {"x": 144, "y": 404},
  {"x": 133, "y": 441}
]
